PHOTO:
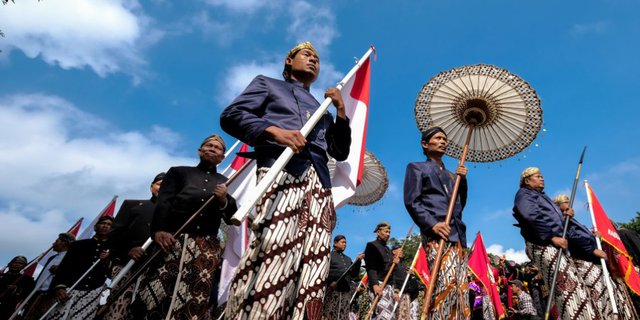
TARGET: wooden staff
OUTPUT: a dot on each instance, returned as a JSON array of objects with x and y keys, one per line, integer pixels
[
  {"x": 386, "y": 278},
  {"x": 447, "y": 221},
  {"x": 114, "y": 296},
  {"x": 547, "y": 312}
]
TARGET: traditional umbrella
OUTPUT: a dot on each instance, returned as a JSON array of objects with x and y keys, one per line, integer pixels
[
  {"x": 489, "y": 114},
  {"x": 374, "y": 182}
]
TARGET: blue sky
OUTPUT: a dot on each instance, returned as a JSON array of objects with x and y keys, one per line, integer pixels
[{"x": 98, "y": 96}]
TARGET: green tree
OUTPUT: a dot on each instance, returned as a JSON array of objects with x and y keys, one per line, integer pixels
[
  {"x": 410, "y": 248},
  {"x": 634, "y": 224}
]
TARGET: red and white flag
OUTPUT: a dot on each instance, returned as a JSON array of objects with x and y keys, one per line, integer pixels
[
  {"x": 109, "y": 210},
  {"x": 602, "y": 224},
  {"x": 348, "y": 173},
  {"x": 31, "y": 268},
  {"x": 480, "y": 267},
  {"x": 237, "y": 236}
]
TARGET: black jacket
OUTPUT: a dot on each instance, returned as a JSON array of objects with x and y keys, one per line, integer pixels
[
  {"x": 378, "y": 259},
  {"x": 81, "y": 256},
  {"x": 340, "y": 263},
  {"x": 131, "y": 228}
]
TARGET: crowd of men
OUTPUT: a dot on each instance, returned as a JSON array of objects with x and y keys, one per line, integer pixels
[{"x": 290, "y": 270}]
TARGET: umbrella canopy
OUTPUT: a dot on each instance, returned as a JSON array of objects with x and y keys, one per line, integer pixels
[
  {"x": 374, "y": 181},
  {"x": 504, "y": 110}
]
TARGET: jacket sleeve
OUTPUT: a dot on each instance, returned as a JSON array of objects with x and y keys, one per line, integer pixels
[
  {"x": 339, "y": 139},
  {"x": 121, "y": 224},
  {"x": 243, "y": 117},
  {"x": 537, "y": 216},
  {"x": 168, "y": 191},
  {"x": 64, "y": 272},
  {"x": 413, "y": 185},
  {"x": 372, "y": 260}
]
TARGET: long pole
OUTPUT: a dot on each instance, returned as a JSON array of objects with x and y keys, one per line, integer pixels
[
  {"x": 287, "y": 154},
  {"x": 547, "y": 312},
  {"x": 406, "y": 279},
  {"x": 605, "y": 271},
  {"x": 386, "y": 278},
  {"x": 145, "y": 265},
  {"x": 71, "y": 288},
  {"x": 447, "y": 221}
]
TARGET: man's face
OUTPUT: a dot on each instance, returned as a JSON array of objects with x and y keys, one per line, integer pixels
[
  {"x": 515, "y": 288},
  {"x": 103, "y": 227},
  {"x": 564, "y": 206},
  {"x": 155, "y": 188},
  {"x": 384, "y": 234},
  {"x": 305, "y": 62},
  {"x": 212, "y": 152},
  {"x": 340, "y": 245},
  {"x": 437, "y": 144},
  {"x": 59, "y": 245},
  {"x": 396, "y": 251},
  {"x": 16, "y": 266},
  {"x": 535, "y": 181}
]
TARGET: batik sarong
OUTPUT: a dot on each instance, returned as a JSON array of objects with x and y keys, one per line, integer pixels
[
  {"x": 626, "y": 310},
  {"x": 487, "y": 308},
  {"x": 336, "y": 305},
  {"x": 571, "y": 296},
  {"x": 450, "y": 298},
  {"x": 403, "y": 311},
  {"x": 384, "y": 308},
  {"x": 180, "y": 287},
  {"x": 120, "y": 309},
  {"x": 81, "y": 305},
  {"x": 288, "y": 262},
  {"x": 415, "y": 309}
]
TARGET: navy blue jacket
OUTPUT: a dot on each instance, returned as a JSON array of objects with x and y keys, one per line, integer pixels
[
  {"x": 426, "y": 197},
  {"x": 540, "y": 220},
  {"x": 287, "y": 105}
]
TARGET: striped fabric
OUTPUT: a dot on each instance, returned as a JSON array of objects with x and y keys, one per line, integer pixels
[
  {"x": 571, "y": 296},
  {"x": 288, "y": 262},
  {"x": 450, "y": 295}
]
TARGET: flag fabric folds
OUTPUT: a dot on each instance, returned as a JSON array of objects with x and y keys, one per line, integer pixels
[
  {"x": 602, "y": 224},
  {"x": 421, "y": 266},
  {"x": 348, "y": 173},
  {"x": 479, "y": 265},
  {"x": 237, "y": 236},
  {"x": 109, "y": 210}
]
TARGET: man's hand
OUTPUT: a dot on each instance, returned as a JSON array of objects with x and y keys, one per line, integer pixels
[
  {"x": 220, "y": 191},
  {"x": 360, "y": 256},
  {"x": 290, "y": 138},
  {"x": 61, "y": 294},
  {"x": 53, "y": 268},
  {"x": 442, "y": 230},
  {"x": 569, "y": 212},
  {"x": 104, "y": 255},
  {"x": 164, "y": 240},
  {"x": 559, "y": 242},
  {"x": 336, "y": 99},
  {"x": 136, "y": 253},
  {"x": 396, "y": 296},
  {"x": 333, "y": 285},
  {"x": 600, "y": 254},
  {"x": 461, "y": 171},
  {"x": 377, "y": 289}
]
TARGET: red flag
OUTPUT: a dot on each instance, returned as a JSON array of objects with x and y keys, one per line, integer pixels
[
  {"x": 421, "y": 266},
  {"x": 480, "y": 267},
  {"x": 109, "y": 210},
  {"x": 364, "y": 280},
  {"x": 602, "y": 224},
  {"x": 348, "y": 174}
]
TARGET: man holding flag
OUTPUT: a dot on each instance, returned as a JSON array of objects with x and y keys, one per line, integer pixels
[{"x": 286, "y": 266}]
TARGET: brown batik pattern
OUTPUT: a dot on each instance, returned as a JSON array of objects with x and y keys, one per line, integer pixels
[
  {"x": 81, "y": 305},
  {"x": 336, "y": 305},
  {"x": 571, "y": 296},
  {"x": 119, "y": 309},
  {"x": 288, "y": 262},
  {"x": 450, "y": 294},
  {"x": 181, "y": 287},
  {"x": 623, "y": 300}
]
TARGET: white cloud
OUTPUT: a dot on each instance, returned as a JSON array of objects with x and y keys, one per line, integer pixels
[
  {"x": 313, "y": 23},
  {"x": 239, "y": 76},
  {"x": 599, "y": 27},
  {"x": 59, "y": 163},
  {"x": 519, "y": 256},
  {"x": 240, "y": 6},
  {"x": 106, "y": 36}
]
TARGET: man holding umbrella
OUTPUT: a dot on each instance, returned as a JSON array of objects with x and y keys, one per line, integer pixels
[{"x": 427, "y": 192}]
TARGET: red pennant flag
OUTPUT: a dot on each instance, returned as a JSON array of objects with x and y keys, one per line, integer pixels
[
  {"x": 364, "y": 280},
  {"x": 602, "y": 224},
  {"x": 421, "y": 266},
  {"x": 76, "y": 227},
  {"x": 480, "y": 267}
]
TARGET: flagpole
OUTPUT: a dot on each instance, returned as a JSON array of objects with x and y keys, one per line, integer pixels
[
  {"x": 355, "y": 292},
  {"x": 386, "y": 278},
  {"x": 287, "y": 154},
  {"x": 564, "y": 236},
  {"x": 605, "y": 271},
  {"x": 148, "y": 261},
  {"x": 44, "y": 316},
  {"x": 406, "y": 279}
]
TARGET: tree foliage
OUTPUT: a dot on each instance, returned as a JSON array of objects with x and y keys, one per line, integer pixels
[{"x": 634, "y": 224}]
